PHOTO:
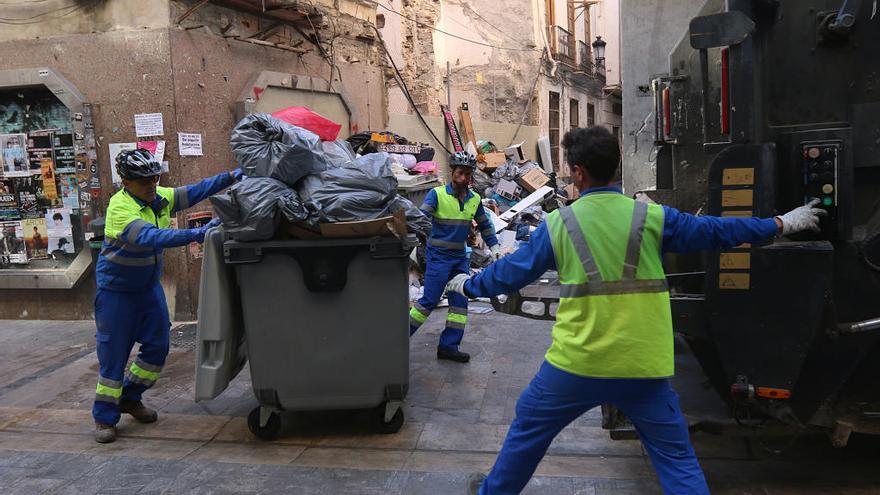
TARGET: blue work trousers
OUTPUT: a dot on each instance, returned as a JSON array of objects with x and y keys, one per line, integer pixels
[
  {"x": 123, "y": 319},
  {"x": 439, "y": 270},
  {"x": 555, "y": 398}
]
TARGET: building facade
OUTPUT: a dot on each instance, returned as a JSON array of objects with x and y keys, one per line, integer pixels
[
  {"x": 78, "y": 82},
  {"x": 525, "y": 69},
  {"x": 87, "y": 71}
]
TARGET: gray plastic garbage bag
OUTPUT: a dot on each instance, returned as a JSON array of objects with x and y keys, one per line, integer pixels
[
  {"x": 361, "y": 189},
  {"x": 252, "y": 209},
  {"x": 356, "y": 190},
  {"x": 338, "y": 152},
  {"x": 267, "y": 147},
  {"x": 416, "y": 221},
  {"x": 482, "y": 181}
]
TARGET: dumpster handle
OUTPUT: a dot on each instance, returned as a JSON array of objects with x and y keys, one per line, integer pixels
[{"x": 374, "y": 250}]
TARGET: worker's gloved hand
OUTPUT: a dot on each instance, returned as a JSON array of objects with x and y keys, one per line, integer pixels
[
  {"x": 457, "y": 284},
  {"x": 802, "y": 218},
  {"x": 496, "y": 251},
  {"x": 201, "y": 231},
  {"x": 237, "y": 174}
]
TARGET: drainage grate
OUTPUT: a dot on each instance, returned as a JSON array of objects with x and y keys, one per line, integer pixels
[{"x": 183, "y": 337}]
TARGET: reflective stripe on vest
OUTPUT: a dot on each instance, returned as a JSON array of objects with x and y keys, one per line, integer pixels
[
  {"x": 614, "y": 318},
  {"x": 124, "y": 212},
  {"x": 451, "y": 212}
]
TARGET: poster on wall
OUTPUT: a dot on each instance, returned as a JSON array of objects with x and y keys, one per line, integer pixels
[
  {"x": 115, "y": 149},
  {"x": 47, "y": 194},
  {"x": 27, "y": 188},
  {"x": 58, "y": 225},
  {"x": 68, "y": 190},
  {"x": 148, "y": 124},
  {"x": 157, "y": 148},
  {"x": 36, "y": 237},
  {"x": 62, "y": 148},
  {"x": 194, "y": 221},
  {"x": 12, "y": 247},
  {"x": 58, "y": 220},
  {"x": 39, "y": 148},
  {"x": 13, "y": 154},
  {"x": 8, "y": 201},
  {"x": 189, "y": 144},
  {"x": 60, "y": 244},
  {"x": 50, "y": 188}
]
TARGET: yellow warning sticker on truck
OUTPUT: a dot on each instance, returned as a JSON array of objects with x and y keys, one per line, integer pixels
[
  {"x": 738, "y": 177},
  {"x": 737, "y": 213},
  {"x": 733, "y": 281},
  {"x": 736, "y": 261},
  {"x": 736, "y": 197}
]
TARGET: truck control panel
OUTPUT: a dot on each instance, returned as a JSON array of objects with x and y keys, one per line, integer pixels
[{"x": 821, "y": 168}]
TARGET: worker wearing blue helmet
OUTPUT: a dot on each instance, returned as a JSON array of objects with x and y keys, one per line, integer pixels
[{"x": 452, "y": 208}]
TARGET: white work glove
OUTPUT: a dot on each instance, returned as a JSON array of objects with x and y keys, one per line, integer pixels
[
  {"x": 457, "y": 283},
  {"x": 496, "y": 251},
  {"x": 802, "y": 218}
]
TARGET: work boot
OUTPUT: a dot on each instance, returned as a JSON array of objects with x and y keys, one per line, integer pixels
[
  {"x": 104, "y": 433},
  {"x": 137, "y": 409},
  {"x": 475, "y": 481},
  {"x": 452, "y": 355}
]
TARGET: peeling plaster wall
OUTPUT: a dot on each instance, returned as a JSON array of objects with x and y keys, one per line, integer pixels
[
  {"x": 494, "y": 82},
  {"x": 649, "y": 31},
  {"x": 121, "y": 73},
  {"x": 209, "y": 74},
  {"x": 62, "y": 18},
  {"x": 193, "y": 77}
]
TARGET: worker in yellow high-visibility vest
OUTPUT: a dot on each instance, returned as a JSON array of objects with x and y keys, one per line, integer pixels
[
  {"x": 130, "y": 303},
  {"x": 452, "y": 209},
  {"x": 612, "y": 342}
]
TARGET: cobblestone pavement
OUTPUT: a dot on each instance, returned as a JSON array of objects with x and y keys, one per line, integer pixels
[{"x": 456, "y": 418}]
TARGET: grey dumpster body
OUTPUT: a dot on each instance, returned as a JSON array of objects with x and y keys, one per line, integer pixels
[{"x": 325, "y": 325}]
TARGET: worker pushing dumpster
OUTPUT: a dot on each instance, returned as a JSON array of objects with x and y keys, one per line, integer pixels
[{"x": 307, "y": 285}]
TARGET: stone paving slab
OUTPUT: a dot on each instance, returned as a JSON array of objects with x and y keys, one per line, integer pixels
[{"x": 456, "y": 420}]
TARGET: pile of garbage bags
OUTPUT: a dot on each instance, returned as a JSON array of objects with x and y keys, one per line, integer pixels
[{"x": 293, "y": 176}]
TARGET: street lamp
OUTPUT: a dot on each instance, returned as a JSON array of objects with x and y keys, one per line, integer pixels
[{"x": 599, "y": 50}]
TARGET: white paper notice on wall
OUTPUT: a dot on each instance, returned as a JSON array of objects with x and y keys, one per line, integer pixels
[
  {"x": 189, "y": 144},
  {"x": 148, "y": 124}
]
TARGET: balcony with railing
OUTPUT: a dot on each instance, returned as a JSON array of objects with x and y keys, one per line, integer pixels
[
  {"x": 587, "y": 65},
  {"x": 561, "y": 44},
  {"x": 585, "y": 57}
]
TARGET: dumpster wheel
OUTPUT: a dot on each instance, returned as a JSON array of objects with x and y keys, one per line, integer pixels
[
  {"x": 271, "y": 428},
  {"x": 391, "y": 426}
]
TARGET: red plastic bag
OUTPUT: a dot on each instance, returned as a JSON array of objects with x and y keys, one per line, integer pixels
[{"x": 325, "y": 128}]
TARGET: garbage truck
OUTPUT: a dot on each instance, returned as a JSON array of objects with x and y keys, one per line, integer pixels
[{"x": 766, "y": 105}]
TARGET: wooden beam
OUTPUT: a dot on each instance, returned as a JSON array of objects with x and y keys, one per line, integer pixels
[
  {"x": 190, "y": 10},
  {"x": 282, "y": 14}
]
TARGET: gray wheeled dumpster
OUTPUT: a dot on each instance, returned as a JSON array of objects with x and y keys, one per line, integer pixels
[{"x": 325, "y": 325}]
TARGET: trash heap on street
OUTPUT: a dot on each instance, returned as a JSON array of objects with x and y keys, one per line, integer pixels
[{"x": 297, "y": 183}]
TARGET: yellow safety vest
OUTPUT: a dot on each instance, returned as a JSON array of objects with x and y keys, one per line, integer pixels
[
  {"x": 454, "y": 218},
  {"x": 614, "y": 319}
]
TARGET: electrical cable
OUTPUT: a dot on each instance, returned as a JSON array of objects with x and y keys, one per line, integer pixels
[
  {"x": 23, "y": 2},
  {"x": 491, "y": 24},
  {"x": 422, "y": 24},
  {"x": 522, "y": 118},
  {"x": 406, "y": 92},
  {"x": 37, "y": 18}
]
